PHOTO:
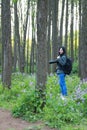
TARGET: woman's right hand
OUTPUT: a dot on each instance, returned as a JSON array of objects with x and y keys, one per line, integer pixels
[{"x": 58, "y": 57}]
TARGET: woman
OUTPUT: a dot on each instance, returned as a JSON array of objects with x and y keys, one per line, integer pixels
[{"x": 61, "y": 61}]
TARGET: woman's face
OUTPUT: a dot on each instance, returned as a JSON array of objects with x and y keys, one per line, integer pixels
[{"x": 61, "y": 51}]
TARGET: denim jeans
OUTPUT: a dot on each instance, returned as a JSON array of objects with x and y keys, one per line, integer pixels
[{"x": 62, "y": 84}]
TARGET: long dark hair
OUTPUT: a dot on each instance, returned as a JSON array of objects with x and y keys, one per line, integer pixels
[{"x": 64, "y": 50}]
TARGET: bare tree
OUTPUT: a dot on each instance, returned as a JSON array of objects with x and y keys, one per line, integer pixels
[{"x": 16, "y": 38}]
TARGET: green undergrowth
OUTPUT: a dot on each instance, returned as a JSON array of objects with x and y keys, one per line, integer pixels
[{"x": 23, "y": 101}]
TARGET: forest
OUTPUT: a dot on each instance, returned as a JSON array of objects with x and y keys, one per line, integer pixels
[{"x": 31, "y": 31}]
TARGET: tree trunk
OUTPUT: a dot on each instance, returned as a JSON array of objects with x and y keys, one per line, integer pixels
[
  {"x": 76, "y": 36},
  {"x": 15, "y": 35},
  {"x": 54, "y": 32},
  {"x": 71, "y": 31},
  {"x": 24, "y": 39},
  {"x": 6, "y": 43},
  {"x": 49, "y": 36},
  {"x": 84, "y": 41},
  {"x": 17, "y": 56},
  {"x": 61, "y": 22},
  {"x": 32, "y": 55},
  {"x": 41, "y": 73},
  {"x": 80, "y": 34},
  {"x": 66, "y": 26}
]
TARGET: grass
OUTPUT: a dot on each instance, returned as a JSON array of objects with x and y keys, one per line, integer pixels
[{"x": 70, "y": 114}]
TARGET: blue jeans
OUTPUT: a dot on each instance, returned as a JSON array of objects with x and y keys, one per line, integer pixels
[{"x": 62, "y": 84}]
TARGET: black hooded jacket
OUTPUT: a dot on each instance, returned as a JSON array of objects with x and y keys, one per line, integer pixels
[{"x": 61, "y": 61}]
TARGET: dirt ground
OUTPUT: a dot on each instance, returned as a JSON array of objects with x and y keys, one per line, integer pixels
[{"x": 7, "y": 122}]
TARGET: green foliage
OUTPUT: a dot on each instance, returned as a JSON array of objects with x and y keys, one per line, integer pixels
[
  {"x": 72, "y": 81},
  {"x": 24, "y": 101},
  {"x": 27, "y": 103},
  {"x": 58, "y": 112},
  {"x": 28, "y": 106},
  {"x": 75, "y": 68},
  {"x": 15, "y": 1},
  {"x": 84, "y": 110}
]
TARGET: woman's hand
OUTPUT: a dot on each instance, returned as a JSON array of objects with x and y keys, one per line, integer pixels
[{"x": 58, "y": 57}]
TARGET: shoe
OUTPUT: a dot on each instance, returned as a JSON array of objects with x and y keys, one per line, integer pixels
[{"x": 62, "y": 97}]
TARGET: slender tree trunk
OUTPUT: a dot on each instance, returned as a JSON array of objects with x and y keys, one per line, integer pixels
[
  {"x": 27, "y": 62},
  {"x": 28, "y": 51},
  {"x": 24, "y": 38},
  {"x": 76, "y": 35},
  {"x": 6, "y": 43},
  {"x": 61, "y": 22},
  {"x": 80, "y": 34},
  {"x": 49, "y": 35},
  {"x": 84, "y": 41},
  {"x": 71, "y": 31},
  {"x": 54, "y": 32},
  {"x": 32, "y": 56},
  {"x": 15, "y": 35},
  {"x": 66, "y": 26},
  {"x": 17, "y": 56}
]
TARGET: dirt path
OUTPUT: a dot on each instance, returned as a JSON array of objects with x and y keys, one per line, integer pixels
[{"x": 7, "y": 122}]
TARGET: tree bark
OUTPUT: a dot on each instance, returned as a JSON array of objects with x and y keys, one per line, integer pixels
[
  {"x": 54, "y": 32},
  {"x": 80, "y": 34},
  {"x": 49, "y": 15},
  {"x": 66, "y": 26},
  {"x": 84, "y": 41},
  {"x": 17, "y": 56},
  {"x": 6, "y": 43},
  {"x": 61, "y": 22},
  {"x": 41, "y": 73},
  {"x": 22, "y": 48},
  {"x": 71, "y": 31}
]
